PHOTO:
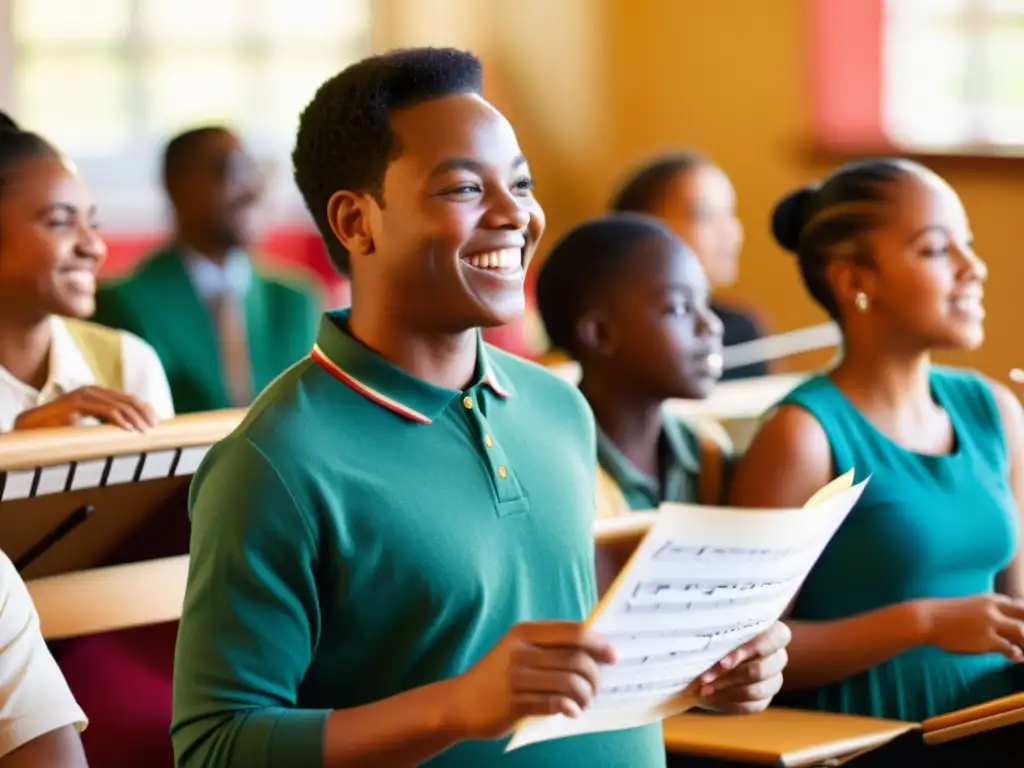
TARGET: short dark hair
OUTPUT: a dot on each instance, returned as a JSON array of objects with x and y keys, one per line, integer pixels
[
  {"x": 816, "y": 220},
  {"x": 583, "y": 263},
  {"x": 645, "y": 188},
  {"x": 17, "y": 145},
  {"x": 345, "y": 141},
  {"x": 181, "y": 148}
]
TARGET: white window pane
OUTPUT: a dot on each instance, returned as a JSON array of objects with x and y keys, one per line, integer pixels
[
  {"x": 914, "y": 11},
  {"x": 1004, "y": 80},
  {"x": 310, "y": 20},
  {"x": 185, "y": 90},
  {"x": 87, "y": 112},
  {"x": 207, "y": 21},
  {"x": 1008, "y": 7},
  {"x": 70, "y": 20},
  {"x": 286, "y": 85},
  {"x": 1004, "y": 63},
  {"x": 926, "y": 103}
]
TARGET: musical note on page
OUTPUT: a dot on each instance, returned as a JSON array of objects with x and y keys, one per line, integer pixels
[{"x": 703, "y": 581}]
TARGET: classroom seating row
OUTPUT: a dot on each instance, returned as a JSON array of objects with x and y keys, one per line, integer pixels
[{"x": 95, "y": 520}]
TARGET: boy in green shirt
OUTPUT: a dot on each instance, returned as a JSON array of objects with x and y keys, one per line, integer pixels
[
  {"x": 392, "y": 557},
  {"x": 625, "y": 297}
]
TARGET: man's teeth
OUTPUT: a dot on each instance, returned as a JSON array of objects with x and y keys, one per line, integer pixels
[
  {"x": 967, "y": 303},
  {"x": 506, "y": 258}
]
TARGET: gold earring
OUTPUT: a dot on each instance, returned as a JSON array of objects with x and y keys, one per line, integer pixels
[{"x": 861, "y": 301}]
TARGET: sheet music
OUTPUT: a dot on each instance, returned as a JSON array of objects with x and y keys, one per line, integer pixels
[{"x": 703, "y": 581}]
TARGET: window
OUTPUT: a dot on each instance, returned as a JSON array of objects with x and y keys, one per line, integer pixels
[
  {"x": 926, "y": 76},
  {"x": 110, "y": 81}
]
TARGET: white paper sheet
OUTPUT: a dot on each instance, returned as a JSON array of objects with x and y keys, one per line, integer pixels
[{"x": 703, "y": 581}]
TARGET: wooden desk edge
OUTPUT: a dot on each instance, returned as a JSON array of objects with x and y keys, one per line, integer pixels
[
  {"x": 111, "y": 598},
  {"x": 43, "y": 447},
  {"x": 877, "y": 733},
  {"x": 634, "y": 526}
]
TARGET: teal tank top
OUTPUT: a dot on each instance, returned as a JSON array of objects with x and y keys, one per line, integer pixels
[{"x": 926, "y": 527}]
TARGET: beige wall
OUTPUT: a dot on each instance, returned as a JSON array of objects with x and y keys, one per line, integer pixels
[{"x": 592, "y": 86}]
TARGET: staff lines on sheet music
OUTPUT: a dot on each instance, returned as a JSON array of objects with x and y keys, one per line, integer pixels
[
  {"x": 617, "y": 638},
  {"x": 687, "y": 606},
  {"x": 671, "y": 552},
  {"x": 698, "y": 586},
  {"x": 675, "y": 684},
  {"x": 708, "y": 640},
  {"x": 709, "y": 587}
]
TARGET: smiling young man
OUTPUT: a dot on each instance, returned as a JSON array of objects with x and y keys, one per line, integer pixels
[{"x": 392, "y": 556}]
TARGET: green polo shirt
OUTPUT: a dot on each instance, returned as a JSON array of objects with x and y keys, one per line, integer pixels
[
  {"x": 363, "y": 533},
  {"x": 680, "y": 449}
]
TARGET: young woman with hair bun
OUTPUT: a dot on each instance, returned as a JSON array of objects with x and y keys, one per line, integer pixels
[{"x": 900, "y": 617}]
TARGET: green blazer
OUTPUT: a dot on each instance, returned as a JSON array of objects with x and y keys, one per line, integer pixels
[{"x": 159, "y": 303}]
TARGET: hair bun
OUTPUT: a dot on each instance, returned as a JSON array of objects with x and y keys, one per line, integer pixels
[
  {"x": 7, "y": 123},
  {"x": 790, "y": 215}
]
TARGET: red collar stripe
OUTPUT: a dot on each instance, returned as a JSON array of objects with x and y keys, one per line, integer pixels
[
  {"x": 368, "y": 392},
  {"x": 492, "y": 381}
]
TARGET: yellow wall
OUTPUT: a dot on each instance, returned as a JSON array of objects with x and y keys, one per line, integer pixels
[{"x": 593, "y": 86}]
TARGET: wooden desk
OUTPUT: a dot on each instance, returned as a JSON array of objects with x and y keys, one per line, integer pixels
[
  {"x": 124, "y": 564},
  {"x": 779, "y": 736}
]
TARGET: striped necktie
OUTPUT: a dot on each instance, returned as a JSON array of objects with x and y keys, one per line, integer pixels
[{"x": 234, "y": 348}]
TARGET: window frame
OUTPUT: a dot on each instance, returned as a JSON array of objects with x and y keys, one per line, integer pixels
[
  {"x": 846, "y": 42},
  {"x": 128, "y": 184}
]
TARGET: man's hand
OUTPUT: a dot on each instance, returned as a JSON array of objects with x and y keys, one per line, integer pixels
[
  {"x": 541, "y": 668},
  {"x": 747, "y": 679}
]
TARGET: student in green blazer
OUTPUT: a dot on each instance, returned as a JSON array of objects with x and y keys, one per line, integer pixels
[{"x": 222, "y": 329}]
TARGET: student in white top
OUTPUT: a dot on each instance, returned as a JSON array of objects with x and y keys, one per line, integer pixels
[
  {"x": 39, "y": 717},
  {"x": 55, "y": 368}
]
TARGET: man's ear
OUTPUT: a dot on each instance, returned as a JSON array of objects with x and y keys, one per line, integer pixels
[
  {"x": 349, "y": 216},
  {"x": 593, "y": 334}
]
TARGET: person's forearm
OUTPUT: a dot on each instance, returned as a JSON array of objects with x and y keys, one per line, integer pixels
[
  {"x": 60, "y": 748},
  {"x": 823, "y": 652},
  {"x": 400, "y": 732}
]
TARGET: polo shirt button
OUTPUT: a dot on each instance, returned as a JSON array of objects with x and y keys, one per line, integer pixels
[
  {"x": 502, "y": 472},
  {"x": 468, "y": 402},
  {"x": 488, "y": 441}
]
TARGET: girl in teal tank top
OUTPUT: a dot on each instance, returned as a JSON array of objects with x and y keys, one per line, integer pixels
[
  {"x": 899, "y": 617},
  {"x": 927, "y": 526}
]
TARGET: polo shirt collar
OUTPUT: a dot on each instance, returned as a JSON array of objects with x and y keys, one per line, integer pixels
[
  {"x": 387, "y": 385},
  {"x": 683, "y": 462}
]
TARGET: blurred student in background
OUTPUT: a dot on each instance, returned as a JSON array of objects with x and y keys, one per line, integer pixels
[
  {"x": 55, "y": 368},
  {"x": 222, "y": 327},
  {"x": 695, "y": 198},
  {"x": 628, "y": 300},
  {"x": 899, "y": 618}
]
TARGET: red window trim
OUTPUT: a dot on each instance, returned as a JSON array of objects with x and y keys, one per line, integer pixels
[{"x": 846, "y": 85}]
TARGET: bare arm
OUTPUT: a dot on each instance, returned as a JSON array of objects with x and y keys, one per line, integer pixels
[
  {"x": 404, "y": 730},
  {"x": 788, "y": 461},
  {"x": 60, "y": 748},
  {"x": 1012, "y": 414}
]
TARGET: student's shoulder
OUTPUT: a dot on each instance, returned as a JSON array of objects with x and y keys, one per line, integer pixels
[
  {"x": 270, "y": 441},
  {"x": 130, "y": 287},
  {"x": 287, "y": 283},
  {"x": 704, "y": 435}
]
